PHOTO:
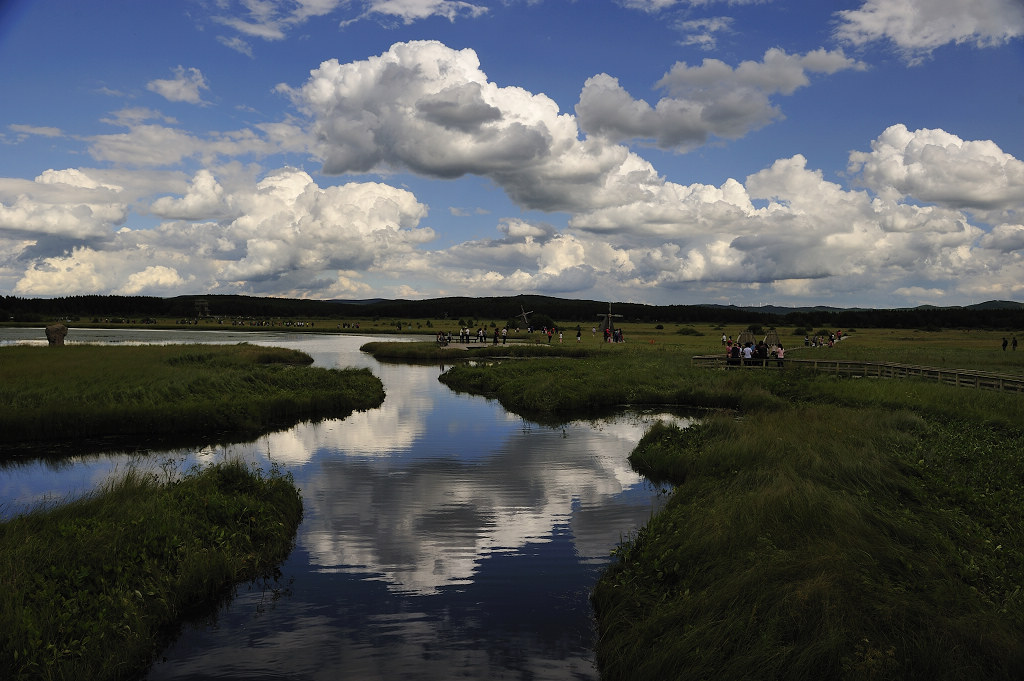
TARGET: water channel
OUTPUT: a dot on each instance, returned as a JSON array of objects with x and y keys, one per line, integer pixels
[{"x": 443, "y": 537}]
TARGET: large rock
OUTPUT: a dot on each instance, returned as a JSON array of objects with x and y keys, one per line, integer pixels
[{"x": 55, "y": 334}]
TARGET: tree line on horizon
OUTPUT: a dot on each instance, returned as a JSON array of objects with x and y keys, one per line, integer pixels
[{"x": 993, "y": 315}]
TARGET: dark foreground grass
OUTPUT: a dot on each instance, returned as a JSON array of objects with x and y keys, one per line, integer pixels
[
  {"x": 92, "y": 588},
  {"x": 809, "y": 543},
  {"x": 819, "y": 528},
  {"x": 185, "y": 392}
]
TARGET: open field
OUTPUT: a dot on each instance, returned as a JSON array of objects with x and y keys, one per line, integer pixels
[
  {"x": 946, "y": 348},
  {"x": 178, "y": 392}
]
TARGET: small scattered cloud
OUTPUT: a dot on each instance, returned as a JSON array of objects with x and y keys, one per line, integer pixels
[
  {"x": 703, "y": 33},
  {"x": 237, "y": 44},
  {"x": 35, "y": 130},
  {"x": 184, "y": 87}
]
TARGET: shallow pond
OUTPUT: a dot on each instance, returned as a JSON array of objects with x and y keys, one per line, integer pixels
[{"x": 443, "y": 537}]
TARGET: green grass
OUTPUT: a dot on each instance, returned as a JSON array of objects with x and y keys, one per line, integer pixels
[
  {"x": 93, "y": 587},
  {"x": 179, "y": 392},
  {"x": 431, "y": 352}
]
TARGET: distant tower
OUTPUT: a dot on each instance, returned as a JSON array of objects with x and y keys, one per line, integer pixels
[{"x": 202, "y": 308}]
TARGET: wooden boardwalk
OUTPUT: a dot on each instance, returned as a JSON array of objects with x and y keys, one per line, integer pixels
[{"x": 963, "y": 378}]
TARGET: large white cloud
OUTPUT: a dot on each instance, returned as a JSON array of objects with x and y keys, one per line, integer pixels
[
  {"x": 712, "y": 99},
  {"x": 424, "y": 107},
  {"x": 917, "y": 27},
  {"x": 938, "y": 167},
  {"x": 61, "y": 203},
  {"x": 283, "y": 232}
]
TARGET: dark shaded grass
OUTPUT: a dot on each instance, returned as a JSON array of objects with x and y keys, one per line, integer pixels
[
  {"x": 805, "y": 543},
  {"x": 92, "y": 588}
]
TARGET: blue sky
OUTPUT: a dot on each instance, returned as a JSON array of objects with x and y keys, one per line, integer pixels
[{"x": 849, "y": 153}]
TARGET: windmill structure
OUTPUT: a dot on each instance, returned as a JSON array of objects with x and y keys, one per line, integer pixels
[
  {"x": 746, "y": 337},
  {"x": 525, "y": 315},
  {"x": 608, "y": 319}
]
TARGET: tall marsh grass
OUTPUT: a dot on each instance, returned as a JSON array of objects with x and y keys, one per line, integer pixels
[
  {"x": 809, "y": 543},
  {"x": 92, "y": 588}
]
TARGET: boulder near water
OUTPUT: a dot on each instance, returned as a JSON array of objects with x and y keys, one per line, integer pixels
[{"x": 55, "y": 334}]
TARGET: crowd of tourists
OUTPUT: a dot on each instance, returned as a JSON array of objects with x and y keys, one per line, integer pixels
[
  {"x": 750, "y": 354},
  {"x": 762, "y": 352}
]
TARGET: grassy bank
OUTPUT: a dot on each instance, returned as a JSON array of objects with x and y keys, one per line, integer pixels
[
  {"x": 819, "y": 528},
  {"x": 180, "y": 392},
  {"x": 432, "y": 352},
  {"x": 92, "y": 588}
]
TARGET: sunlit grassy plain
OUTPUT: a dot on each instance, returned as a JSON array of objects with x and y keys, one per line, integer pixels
[
  {"x": 819, "y": 527},
  {"x": 182, "y": 392}
]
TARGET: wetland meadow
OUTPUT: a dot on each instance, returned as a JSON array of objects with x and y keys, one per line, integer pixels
[{"x": 495, "y": 516}]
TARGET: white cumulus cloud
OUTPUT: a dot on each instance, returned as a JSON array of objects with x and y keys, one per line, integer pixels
[
  {"x": 424, "y": 107},
  {"x": 713, "y": 99},
  {"x": 939, "y": 167}
]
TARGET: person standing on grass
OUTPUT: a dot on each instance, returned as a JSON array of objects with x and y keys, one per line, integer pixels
[
  {"x": 1013, "y": 343},
  {"x": 1004, "y": 343},
  {"x": 779, "y": 354}
]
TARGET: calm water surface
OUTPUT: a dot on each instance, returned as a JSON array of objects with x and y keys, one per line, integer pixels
[{"x": 443, "y": 537}]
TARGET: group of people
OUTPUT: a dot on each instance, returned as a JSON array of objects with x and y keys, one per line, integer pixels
[
  {"x": 466, "y": 335},
  {"x": 613, "y": 336},
  {"x": 822, "y": 340},
  {"x": 1014, "y": 343},
  {"x": 751, "y": 354}
]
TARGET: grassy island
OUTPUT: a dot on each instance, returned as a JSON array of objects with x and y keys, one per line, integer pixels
[
  {"x": 180, "y": 393},
  {"x": 93, "y": 588},
  {"x": 818, "y": 527}
]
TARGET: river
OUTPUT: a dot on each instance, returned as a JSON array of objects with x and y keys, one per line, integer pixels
[{"x": 443, "y": 537}]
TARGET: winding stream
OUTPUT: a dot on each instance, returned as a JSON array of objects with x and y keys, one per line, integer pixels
[{"x": 443, "y": 536}]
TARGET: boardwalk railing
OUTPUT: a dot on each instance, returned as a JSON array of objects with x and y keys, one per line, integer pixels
[{"x": 964, "y": 378}]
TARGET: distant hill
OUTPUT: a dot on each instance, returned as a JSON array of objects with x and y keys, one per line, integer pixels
[
  {"x": 1000, "y": 314},
  {"x": 997, "y": 305}
]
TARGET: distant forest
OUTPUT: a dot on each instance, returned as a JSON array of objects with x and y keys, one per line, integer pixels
[{"x": 991, "y": 315}]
